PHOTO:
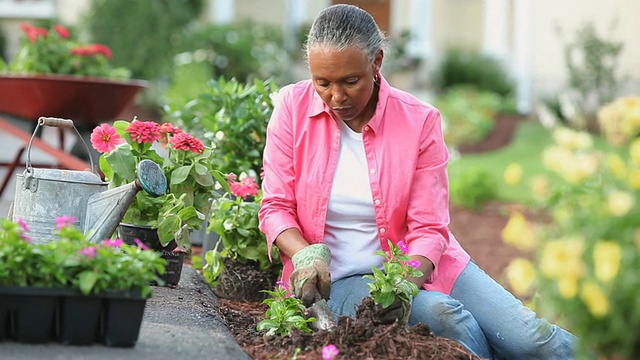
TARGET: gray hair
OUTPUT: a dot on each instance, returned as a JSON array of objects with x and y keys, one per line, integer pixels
[{"x": 341, "y": 26}]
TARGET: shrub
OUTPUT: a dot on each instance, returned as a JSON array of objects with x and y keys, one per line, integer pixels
[
  {"x": 587, "y": 257},
  {"x": 465, "y": 67},
  {"x": 244, "y": 51},
  {"x": 592, "y": 61},
  {"x": 233, "y": 116},
  {"x": 468, "y": 114},
  {"x": 144, "y": 36},
  {"x": 473, "y": 187}
]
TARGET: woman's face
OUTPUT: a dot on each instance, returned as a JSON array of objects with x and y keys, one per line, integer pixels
[{"x": 344, "y": 81}]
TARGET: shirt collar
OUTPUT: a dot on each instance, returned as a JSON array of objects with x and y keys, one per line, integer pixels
[{"x": 318, "y": 106}]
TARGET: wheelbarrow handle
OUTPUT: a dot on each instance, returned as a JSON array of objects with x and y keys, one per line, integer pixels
[{"x": 56, "y": 122}]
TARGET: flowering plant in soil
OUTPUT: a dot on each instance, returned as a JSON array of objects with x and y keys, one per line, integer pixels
[
  {"x": 73, "y": 262},
  {"x": 186, "y": 164},
  {"x": 55, "y": 51},
  {"x": 234, "y": 216},
  {"x": 587, "y": 258},
  {"x": 391, "y": 282},
  {"x": 285, "y": 312}
]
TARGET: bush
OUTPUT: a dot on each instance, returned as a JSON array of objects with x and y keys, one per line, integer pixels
[
  {"x": 464, "y": 67},
  {"x": 244, "y": 51},
  {"x": 233, "y": 116},
  {"x": 586, "y": 259},
  {"x": 143, "y": 35},
  {"x": 473, "y": 187},
  {"x": 468, "y": 114}
]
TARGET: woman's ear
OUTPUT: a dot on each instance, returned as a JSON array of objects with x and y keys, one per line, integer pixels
[{"x": 377, "y": 61}]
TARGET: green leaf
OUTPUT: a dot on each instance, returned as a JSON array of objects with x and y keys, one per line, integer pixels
[
  {"x": 86, "y": 280},
  {"x": 180, "y": 174}
]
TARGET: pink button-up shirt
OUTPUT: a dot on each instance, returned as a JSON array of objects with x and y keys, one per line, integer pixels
[{"x": 407, "y": 160}]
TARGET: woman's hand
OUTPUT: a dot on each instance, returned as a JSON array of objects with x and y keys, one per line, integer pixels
[{"x": 311, "y": 280}]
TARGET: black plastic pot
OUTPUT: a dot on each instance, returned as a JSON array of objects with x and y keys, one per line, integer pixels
[
  {"x": 79, "y": 318},
  {"x": 39, "y": 315},
  {"x": 123, "y": 312},
  {"x": 149, "y": 236}
]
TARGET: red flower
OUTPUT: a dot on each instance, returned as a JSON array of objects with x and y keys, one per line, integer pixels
[
  {"x": 104, "y": 138},
  {"x": 166, "y": 130},
  {"x": 33, "y": 32},
  {"x": 144, "y": 131},
  {"x": 186, "y": 142},
  {"x": 244, "y": 187},
  {"x": 62, "y": 31},
  {"x": 93, "y": 49}
]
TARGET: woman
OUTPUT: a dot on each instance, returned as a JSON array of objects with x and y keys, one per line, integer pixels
[{"x": 351, "y": 163}]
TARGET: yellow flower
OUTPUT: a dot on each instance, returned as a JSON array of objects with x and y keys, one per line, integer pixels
[
  {"x": 634, "y": 151},
  {"x": 571, "y": 139},
  {"x": 540, "y": 186},
  {"x": 579, "y": 167},
  {"x": 563, "y": 257},
  {"x": 568, "y": 286},
  {"x": 634, "y": 179},
  {"x": 619, "y": 202},
  {"x": 555, "y": 157},
  {"x": 519, "y": 232},
  {"x": 513, "y": 174},
  {"x": 594, "y": 298},
  {"x": 520, "y": 274},
  {"x": 617, "y": 165},
  {"x": 606, "y": 259}
]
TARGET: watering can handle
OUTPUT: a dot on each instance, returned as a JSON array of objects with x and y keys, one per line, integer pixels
[{"x": 59, "y": 123}]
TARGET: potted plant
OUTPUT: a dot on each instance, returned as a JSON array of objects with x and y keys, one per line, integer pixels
[
  {"x": 53, "y": 74},
  {"x": 72, "y": 290},
  {"x": 241, "y": 251},
  {"x": 166, "y": 221}
]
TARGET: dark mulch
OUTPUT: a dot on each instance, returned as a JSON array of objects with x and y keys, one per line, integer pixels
[{"x": 355, "y": 339}]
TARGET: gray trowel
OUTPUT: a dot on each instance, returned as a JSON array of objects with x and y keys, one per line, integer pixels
[{"x": 324, "y": 317}]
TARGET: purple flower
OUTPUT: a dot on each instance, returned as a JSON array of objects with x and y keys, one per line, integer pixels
[
  {"x": 22, "y": 224},
  {"x": 114, "y": 243},
  {"x": 403, "y": 247},
  {"x": 88, "y": 251},
  {"x": 414, "y": 263},
  {"x": 140, "y": 244},
  {"x": 329, "y": 352},
  {"x": 64, "y": 221}
]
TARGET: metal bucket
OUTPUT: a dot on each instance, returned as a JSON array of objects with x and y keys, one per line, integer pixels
[{"x": 42, "y": 195}]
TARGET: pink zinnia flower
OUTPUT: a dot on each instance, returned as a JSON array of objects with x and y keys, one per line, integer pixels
[
  {"x": 140, "y": 244},
  {"x": 329, "y": 352},
  {"x": 186, "y": 142},
  {"x": 88, "y": 251},
  {"x": 64, "y": 221},
  {"x": 403, "y": 247},
  {"x": 23, "y": 225},
  {"x": 414, "y": 263},
  {"x": 62, "y": 31},
  {"x": 114, "y": 243},
  {"x": 105, "y": 138},
  {"x": 144, "y": 131},
  {"x": 244, "y": 188},
  {"x": 101, "y": 49}
]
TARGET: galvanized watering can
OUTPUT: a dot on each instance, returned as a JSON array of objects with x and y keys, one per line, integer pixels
[{"x": 44, "y": 194}]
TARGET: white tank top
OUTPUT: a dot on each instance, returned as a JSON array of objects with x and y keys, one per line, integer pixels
[{"x": 351, "y": 230}]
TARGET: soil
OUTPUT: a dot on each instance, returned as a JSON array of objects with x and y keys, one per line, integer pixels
[{"x": 478, "y": 232}]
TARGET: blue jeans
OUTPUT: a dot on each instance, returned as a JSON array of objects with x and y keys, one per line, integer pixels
[{"x": 480, "y": 314}]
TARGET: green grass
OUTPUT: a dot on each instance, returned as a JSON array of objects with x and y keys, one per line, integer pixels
[{"x": 526, "y": 148}]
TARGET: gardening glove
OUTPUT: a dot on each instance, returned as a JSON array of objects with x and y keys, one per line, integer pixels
[
  {"x": 399, "y": 310},
  {"x": 311, "y": 280}
]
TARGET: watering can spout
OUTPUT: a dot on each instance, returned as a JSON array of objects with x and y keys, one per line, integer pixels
[{"x": 106, "y": 209}]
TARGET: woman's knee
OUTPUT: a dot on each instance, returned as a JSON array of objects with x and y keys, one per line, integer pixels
[{"x": 441, "y": 312}]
